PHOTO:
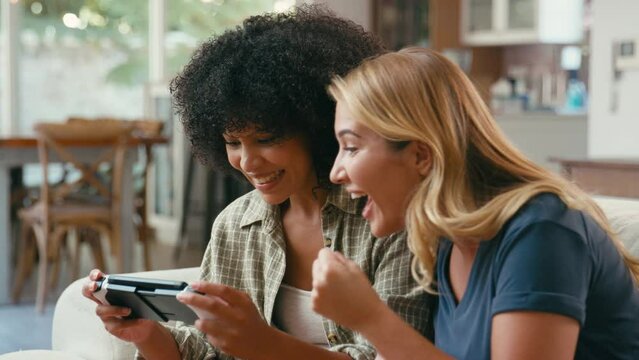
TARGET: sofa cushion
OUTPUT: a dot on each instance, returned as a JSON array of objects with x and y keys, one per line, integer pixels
[{"x": 623, "y": 214}]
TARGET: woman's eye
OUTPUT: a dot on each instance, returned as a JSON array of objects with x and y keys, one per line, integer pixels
[
  {"x": 232, "y": 143},
  {"x": 349, "y": 149},
  {"x": 268, "y": 140}
]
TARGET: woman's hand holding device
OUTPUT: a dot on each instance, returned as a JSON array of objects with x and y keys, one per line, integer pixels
[
  {"x": 130, "y": 309},
  {"x": 229, "y": 317},
  {"x": 113, "y": 317},
  {"x": 152, "y": 299}
]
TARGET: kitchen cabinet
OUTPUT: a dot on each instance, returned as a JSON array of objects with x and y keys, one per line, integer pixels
[
  {"x": 511, "y": 22},
  {"x": 401, "y": 23}
]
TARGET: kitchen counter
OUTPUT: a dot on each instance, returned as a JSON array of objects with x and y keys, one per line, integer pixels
[{"x": 542, "y": 136}]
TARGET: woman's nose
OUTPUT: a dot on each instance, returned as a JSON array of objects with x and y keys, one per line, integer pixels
[
  {"x": 250, "y": 160},
  {"x": 338, "y": 174}
]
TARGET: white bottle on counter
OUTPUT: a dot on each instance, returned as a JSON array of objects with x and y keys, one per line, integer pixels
[{"x": 500, "y": 93}]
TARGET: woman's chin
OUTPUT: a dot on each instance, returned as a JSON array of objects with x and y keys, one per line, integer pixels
[
  {"x": 379, "y": 231},
  {"x": 385, "y": 229},
  {"x": 272, "y": 199}
]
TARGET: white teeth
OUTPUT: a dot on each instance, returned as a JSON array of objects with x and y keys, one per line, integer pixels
[
  {"x": 269, "y": 178},
  {"x": 357, "y": 196}
]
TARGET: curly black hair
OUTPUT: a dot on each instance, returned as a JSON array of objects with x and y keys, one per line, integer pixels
[{"x": 271, "y": 73}]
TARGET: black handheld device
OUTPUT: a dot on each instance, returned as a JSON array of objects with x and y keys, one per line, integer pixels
[{"x": 151, "y": 299}]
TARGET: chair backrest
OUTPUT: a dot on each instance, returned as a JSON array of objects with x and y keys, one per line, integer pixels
[
  {"x": 148, "y": 127},
  {"x": 142, "y": 128},
  {"x": 62, "y": 140}
]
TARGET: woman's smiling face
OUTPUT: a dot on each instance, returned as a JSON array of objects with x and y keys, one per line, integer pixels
[
  {"x": 277, "y": 167},
  {"x": 369, "y": 165}
]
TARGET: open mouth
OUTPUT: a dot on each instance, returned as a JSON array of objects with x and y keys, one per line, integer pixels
[
  {"x": 366, "y": 211},
  {"x": 357, "y": 195},
  {"x": 262, "y": 180}
]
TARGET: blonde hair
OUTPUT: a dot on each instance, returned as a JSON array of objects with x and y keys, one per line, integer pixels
[{"x": 478, "y": 179}]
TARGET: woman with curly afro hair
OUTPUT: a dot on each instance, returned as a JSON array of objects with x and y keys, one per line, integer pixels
[{"x": 253, "y": 102}]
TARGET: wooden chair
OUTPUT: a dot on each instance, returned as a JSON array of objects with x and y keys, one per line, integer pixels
[
  {"x": 141, "y": 128},
  {"x": 90, "y": 202},
  {"x": 145, "y": 128}
]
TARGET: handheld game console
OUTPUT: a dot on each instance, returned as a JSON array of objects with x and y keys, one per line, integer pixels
[{"x": 151, "y": 299}]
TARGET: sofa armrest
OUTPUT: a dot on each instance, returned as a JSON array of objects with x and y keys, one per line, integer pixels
[{"x": 78, "y": 331}]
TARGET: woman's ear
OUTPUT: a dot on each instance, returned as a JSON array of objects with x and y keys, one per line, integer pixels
[{"x": 423, "y": 158}]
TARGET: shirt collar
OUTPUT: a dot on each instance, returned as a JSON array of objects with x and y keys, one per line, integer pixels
[{"x": 260, "y": 210}]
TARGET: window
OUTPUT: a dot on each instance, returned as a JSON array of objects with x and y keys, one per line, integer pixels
[
  {"x": 95, "y": 58},
  {"x": 81, "y": 58}
]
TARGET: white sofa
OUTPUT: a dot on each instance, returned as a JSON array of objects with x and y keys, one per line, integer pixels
[{"x": 79, "y": 335}]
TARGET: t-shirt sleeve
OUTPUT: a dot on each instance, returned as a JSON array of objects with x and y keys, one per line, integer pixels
[{"x": 543, "y": 267}]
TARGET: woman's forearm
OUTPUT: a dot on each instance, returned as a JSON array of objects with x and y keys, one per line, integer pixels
[
  {"x": 394, "y": 339},
  {"x": 159, "y": 345}
]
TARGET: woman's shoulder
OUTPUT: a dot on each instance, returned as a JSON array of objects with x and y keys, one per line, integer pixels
[
  {"x": 245, "y": 208},
  {"x": 548, "y": 212},
  {"x": 545, "y": 207}
]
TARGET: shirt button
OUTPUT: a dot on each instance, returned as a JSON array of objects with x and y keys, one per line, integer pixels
[
  {"x": 332, "y": 338},
  {"x": 328, "y": 242}
]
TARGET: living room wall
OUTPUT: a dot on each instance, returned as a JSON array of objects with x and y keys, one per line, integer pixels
[
  {"x": 613, "y": 123},
  {"x": 359, "y": 11}
]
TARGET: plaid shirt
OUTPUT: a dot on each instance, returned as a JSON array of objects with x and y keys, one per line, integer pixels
[{"x": 247, "y": 252}]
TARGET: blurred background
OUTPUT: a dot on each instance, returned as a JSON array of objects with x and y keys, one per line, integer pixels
[{"x": 561, "y": 77}]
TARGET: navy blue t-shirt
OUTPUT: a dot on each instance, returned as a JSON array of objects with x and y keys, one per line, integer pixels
[{"x": 547, "y": 258}]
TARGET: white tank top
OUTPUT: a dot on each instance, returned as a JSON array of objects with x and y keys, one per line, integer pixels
[{"x": 293, "y": 314}]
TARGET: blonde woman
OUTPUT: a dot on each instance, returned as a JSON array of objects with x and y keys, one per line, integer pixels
[{"x": 524, "y": 263}]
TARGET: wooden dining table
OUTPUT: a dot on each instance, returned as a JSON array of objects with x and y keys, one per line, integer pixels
[{"x": 18, "y": 151}]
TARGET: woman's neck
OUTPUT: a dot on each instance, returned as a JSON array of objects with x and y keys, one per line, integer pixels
[
  {"x": 307, "y": 204},
  {"x": 467, "y": 247}
]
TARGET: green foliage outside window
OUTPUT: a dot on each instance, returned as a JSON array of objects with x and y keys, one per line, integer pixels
[{"x": 122, "y": 25}]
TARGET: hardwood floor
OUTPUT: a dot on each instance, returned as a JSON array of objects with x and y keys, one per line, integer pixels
[{"x": 22, "y": 328}]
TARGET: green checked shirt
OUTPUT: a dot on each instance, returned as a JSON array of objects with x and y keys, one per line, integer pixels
[{"x": 247, "y": 252}]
